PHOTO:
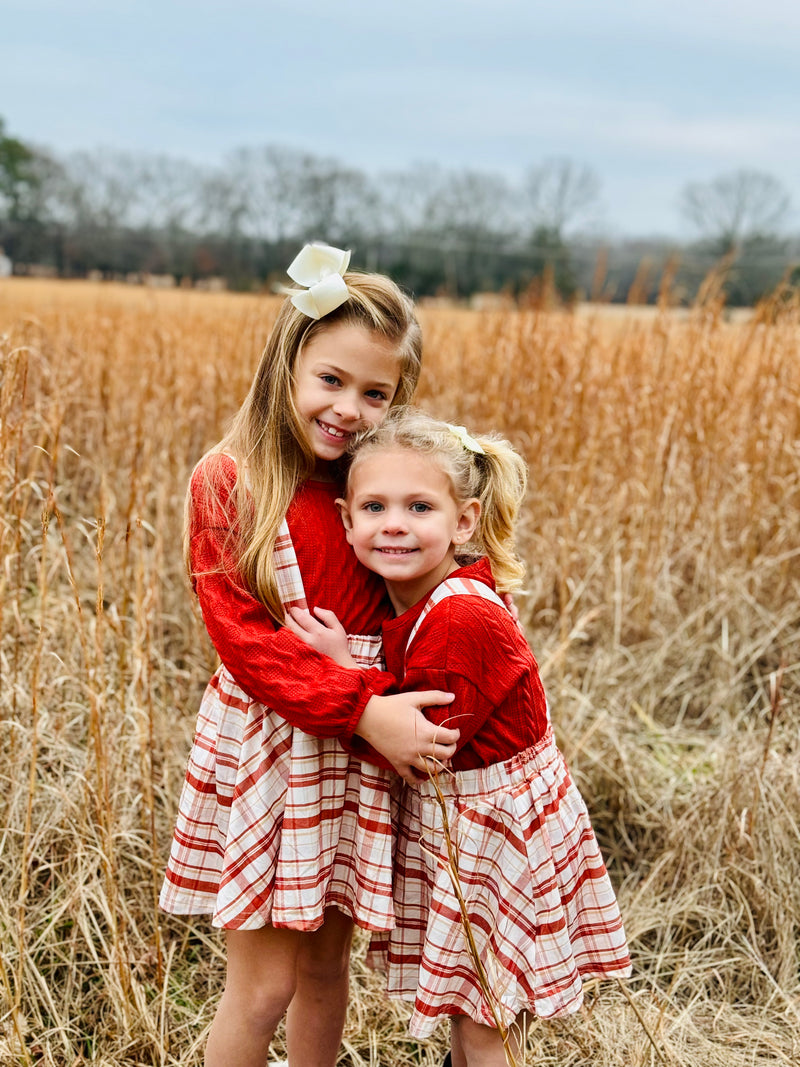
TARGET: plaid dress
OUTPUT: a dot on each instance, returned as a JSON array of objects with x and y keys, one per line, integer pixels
[
  {"x": 275, "y": 825},
  {"x": 541, "y": 909}
]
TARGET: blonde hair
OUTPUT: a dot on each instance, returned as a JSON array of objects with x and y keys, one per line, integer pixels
[
  {"x": 497, "y": 477},
  {"x": 265, "y": 438}
]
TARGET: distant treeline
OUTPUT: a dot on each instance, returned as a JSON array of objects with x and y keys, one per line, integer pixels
[{"x": 438, "y": 232}]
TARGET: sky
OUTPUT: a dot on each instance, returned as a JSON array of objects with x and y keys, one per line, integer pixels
[{"x": 649, "y": 95}]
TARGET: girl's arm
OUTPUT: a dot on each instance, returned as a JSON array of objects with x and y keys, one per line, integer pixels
[
  {"x": 269, "y": 662},
  {"x": 307, "y": 688},
  {"x": 312, "y": 691},
  {"x": 279, "y": 670},
  {"x": 389, "y": 724}
]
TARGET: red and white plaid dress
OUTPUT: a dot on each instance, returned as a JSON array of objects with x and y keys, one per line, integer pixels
[
  {"x": 541, "y": 908},
  {"x": 276, "y": 825}
]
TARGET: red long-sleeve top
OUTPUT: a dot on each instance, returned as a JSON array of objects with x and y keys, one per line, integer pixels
[
  {"x": 266, "y": 660},
  {"x": 472, "y": 647}
]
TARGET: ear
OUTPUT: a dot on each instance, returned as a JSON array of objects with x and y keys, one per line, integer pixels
[
  {"x": 344, "y": 511},
  {"x": 467, "y": 521}
]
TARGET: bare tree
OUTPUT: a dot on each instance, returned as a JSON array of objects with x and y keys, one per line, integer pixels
[
  {"x": 405, "y": 197},
  {"x": 264, "y": 187},
  {"x": 223, "y": 203},
  {"x": 101, "y": 188},
  {"x": 168, "y": 194},
  {"x": 338, "y": 202},
  {"x": 560, "y": 194},
  {"x": 737, "y": 207},
  {"x": 470, "y": 206}
]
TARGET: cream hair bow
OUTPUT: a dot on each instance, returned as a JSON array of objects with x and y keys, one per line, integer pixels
[
  {"x": 466, "y": 439},
  {"x": 320, "y": 267}
]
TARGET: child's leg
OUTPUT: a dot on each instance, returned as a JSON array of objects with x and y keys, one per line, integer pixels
[
  {"x": 315, "y": 1019},
  {"x": 260, "y": 981},
  {"x": 476, "y": 1045}
]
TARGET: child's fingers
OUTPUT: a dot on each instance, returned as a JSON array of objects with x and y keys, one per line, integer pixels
[
  {"x": 328, "y": 619},
  {"x": 436, "y": 751},
  {"x": 442, "y": 738},
  {"x": 426, "y": 697},
  {"x": 300, "y": 621}
]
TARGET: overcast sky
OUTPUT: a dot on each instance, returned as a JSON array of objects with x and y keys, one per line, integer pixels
[{"x": 651, "y": 95}]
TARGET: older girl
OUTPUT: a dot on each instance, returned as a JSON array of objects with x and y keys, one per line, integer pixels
[{"x": 282, "y": 836}]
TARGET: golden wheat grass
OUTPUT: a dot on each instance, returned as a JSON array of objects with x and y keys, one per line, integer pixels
[{"x": 662, "y": 536}]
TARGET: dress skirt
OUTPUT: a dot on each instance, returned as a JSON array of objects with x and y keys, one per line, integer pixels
[
  {"x": 274, "y": 825},
  {"x": 542, "y": 912}
]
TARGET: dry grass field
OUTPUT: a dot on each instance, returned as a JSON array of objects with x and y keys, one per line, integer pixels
[{"x": 663, "y": 602}]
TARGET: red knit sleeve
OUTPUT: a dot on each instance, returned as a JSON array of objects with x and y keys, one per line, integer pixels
[
  {"x": 467, "y": 647},
  {"x": 272, "y": 665}
]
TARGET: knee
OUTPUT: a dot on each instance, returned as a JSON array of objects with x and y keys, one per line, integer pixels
[
  {"x": 324, "y": 967},
  {"x": 324, "y": 964},
  {"x": 263, "y": 1003}
]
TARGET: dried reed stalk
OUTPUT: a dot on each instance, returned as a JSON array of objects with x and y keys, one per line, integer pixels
[{"x": 493, "y": 1001}]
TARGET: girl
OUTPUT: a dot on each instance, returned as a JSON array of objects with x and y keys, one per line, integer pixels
[
  {"x": 282, "y": 836},
  {"x": 539, "y": 904}
]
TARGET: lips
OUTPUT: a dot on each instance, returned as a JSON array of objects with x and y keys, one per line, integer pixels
[{"x": 333, "y": 431}]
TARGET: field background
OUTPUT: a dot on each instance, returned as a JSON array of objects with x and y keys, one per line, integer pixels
[{"x": 662, "y": 535}]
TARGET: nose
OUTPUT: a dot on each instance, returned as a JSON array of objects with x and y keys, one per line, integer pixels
[
  {"x": 347, "y": 406},
  {"x": 394, "y": 521}
]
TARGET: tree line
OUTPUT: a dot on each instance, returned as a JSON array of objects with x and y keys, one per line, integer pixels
[{"x": 436, "y": 230}]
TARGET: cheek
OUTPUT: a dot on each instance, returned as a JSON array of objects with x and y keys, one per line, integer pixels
[
  {"x": 375, "y": 416},
  {"x": 360, "y": 533}
]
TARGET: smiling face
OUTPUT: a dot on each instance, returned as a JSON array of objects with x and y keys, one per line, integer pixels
[
  {"x": 404, "y": 522},
  {"x": 344, "y": 380}
]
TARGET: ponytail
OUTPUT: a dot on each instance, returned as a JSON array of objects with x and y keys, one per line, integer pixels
[{"x": 503, "y": 478}]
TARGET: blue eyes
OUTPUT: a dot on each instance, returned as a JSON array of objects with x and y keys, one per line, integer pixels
[
  {"x": 371, "y": 394},
  {"x": 375, "y": 508}
]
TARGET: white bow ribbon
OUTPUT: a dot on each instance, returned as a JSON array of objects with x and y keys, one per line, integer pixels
[
  {"x": 320, "y": 267},
  {"x": 466, "y": 439}
]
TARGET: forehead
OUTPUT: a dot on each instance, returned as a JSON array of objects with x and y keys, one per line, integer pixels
[
  {"x": 355, "y": 349},
  {"x": 397, "y": 470}
]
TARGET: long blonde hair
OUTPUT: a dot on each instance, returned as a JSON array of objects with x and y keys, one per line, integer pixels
[
  {"x": 265, "y": 438},
  {"x": 497, "y": 477}
]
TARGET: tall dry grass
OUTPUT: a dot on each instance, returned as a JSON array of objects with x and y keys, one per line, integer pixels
[{"x": 663, "y": 542}]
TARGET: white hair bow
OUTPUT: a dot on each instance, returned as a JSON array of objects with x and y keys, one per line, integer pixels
[
  {"x": 466, "y": 439},
  {"x": 320, "y": 267}
]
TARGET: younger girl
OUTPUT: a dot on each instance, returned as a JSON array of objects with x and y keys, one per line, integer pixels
[
  {"x": 540, "y": 908},
  {"x": 282, "y": 837}
]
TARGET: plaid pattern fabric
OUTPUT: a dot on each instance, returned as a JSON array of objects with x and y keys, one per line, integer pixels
[
  {"x": 542, "y": 910},
  {"x": 275, "y": 825},
  {"x": 287, "y": 572}
]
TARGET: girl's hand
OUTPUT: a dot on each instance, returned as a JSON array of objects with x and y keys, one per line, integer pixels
[
  {"x": 397, "y": 728},
  {"x": 322, "y": 631}
]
